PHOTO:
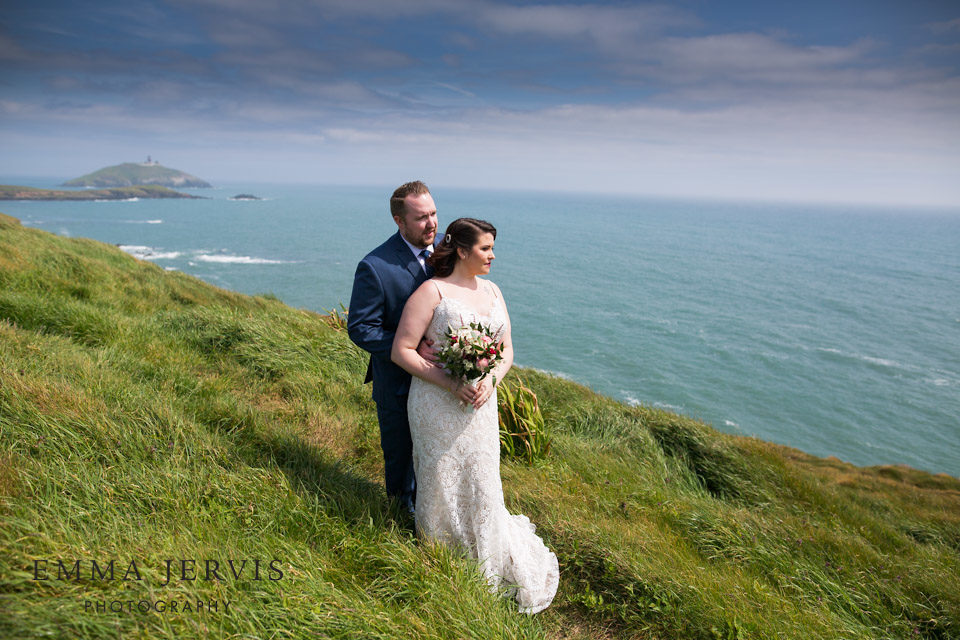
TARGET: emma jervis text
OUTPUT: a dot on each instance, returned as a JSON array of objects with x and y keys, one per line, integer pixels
[{"x": 171, "y": 570}]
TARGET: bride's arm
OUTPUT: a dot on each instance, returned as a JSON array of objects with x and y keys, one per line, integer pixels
[
  {"x": 485, "y": 388},
  {"x": 500, "y": 371},
  {"x": 413, "y": 325}
]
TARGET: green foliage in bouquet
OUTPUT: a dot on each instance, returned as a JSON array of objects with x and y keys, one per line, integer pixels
[
  {"x": 470, "y": 352},
  {"x": 522, "y": 434}
]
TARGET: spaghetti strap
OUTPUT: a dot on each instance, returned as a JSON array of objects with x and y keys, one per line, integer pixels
[
  {"x": 496, "y": 296},
  {"x": 438, "y": 287}
]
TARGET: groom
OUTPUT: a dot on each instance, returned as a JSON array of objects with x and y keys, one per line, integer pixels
[{"x": 384, "y": 280}]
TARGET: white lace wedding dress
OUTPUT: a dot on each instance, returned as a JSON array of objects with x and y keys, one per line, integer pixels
[{"x": 456, "y": 457}]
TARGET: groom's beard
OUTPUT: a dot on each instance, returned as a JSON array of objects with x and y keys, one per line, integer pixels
[
  {"x": 427, "y": 239},
  {"x": 424, "y": 240}
]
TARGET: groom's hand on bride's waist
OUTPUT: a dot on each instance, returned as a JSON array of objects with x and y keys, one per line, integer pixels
[{"x": 427, "y": 352}]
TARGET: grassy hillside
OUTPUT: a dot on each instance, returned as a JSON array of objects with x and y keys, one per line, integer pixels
[
  {"x": 147, "y": 416},
  {"x": 134, "y": 173},
  {"x": 12, "y": 192}
]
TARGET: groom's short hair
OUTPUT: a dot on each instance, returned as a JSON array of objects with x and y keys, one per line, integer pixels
[{"x": 414, "y": 188}]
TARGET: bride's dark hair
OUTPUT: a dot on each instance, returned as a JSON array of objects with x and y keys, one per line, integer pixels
[{"x": 462, "y": 233}]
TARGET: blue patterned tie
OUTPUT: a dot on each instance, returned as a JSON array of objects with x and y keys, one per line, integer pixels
[{"x": 426, "y": 267}]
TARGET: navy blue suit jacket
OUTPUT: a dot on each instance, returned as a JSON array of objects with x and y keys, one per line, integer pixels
[{"x": 384, "y": 280}]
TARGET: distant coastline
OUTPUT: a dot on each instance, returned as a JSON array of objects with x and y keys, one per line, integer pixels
[
  {"x": 14, "y": 192},
  {"x": 131, "y": 174}
]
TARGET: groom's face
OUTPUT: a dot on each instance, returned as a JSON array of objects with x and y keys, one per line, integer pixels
[{"x": 418, "y": 224}]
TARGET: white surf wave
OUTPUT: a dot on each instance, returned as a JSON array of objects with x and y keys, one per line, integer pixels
[
  {"x": 668, "y": 407},
  {"x": 230, "y": 259},
  {"x": 204, "y": 255},
  {"x": 554, "y": 374},
  {"x": 148, "y": 253},
  {"x": 882, "y": 362},
  {"x": 933, "y": 377},
  {"x": 943, "y": 378}
]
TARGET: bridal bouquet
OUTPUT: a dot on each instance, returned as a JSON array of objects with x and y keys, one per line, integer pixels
[{"x": 471, "y": 351}]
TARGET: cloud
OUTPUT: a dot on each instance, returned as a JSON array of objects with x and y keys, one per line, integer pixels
[
  {"x": 13, "y": 107},
  {"x": 234, "y": 31},
  {"x": 450, "y": 87},
  {"x": 745, "y": 150},
  {"x": 949, "y": 26},
  {"x": 11, "y": 51},
  {"x": 605, "y": 26},
  {"x": 749, "y": 55},
  {"x": 608, "y": 96}
]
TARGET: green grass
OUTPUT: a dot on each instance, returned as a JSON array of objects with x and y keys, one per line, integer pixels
[{"x": 145, "y": 416}]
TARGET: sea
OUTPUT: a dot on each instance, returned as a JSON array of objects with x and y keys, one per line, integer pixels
[{"x": 833, "y": 329}]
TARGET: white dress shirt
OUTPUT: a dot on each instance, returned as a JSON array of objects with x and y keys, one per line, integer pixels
[{"x": 416, "y": 252}]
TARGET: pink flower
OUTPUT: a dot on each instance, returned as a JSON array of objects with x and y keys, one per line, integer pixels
[
  {"x": 483, "y": 363},
  {"x": 487, "y": 339}
]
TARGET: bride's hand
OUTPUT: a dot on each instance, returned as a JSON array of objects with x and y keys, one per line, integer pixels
[
  {"x": 483, "y": 393},
  {"x": 465, "y": 393}
]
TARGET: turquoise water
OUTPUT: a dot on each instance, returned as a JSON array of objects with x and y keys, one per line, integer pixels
[{"x": 834, "y": 330}]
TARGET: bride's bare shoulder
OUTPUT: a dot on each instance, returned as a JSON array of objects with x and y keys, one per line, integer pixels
[
  {"x": 428, "y": 292},
  {"x": 493, "y": 286}
]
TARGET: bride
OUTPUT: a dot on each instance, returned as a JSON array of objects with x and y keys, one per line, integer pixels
[{"x": 455, "y": 430}]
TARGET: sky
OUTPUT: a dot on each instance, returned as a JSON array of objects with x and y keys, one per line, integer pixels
[{"x": 823, "y": 100}]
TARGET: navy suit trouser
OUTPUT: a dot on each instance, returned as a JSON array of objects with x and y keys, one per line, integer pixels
[{"x": 397, "y": 449}]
